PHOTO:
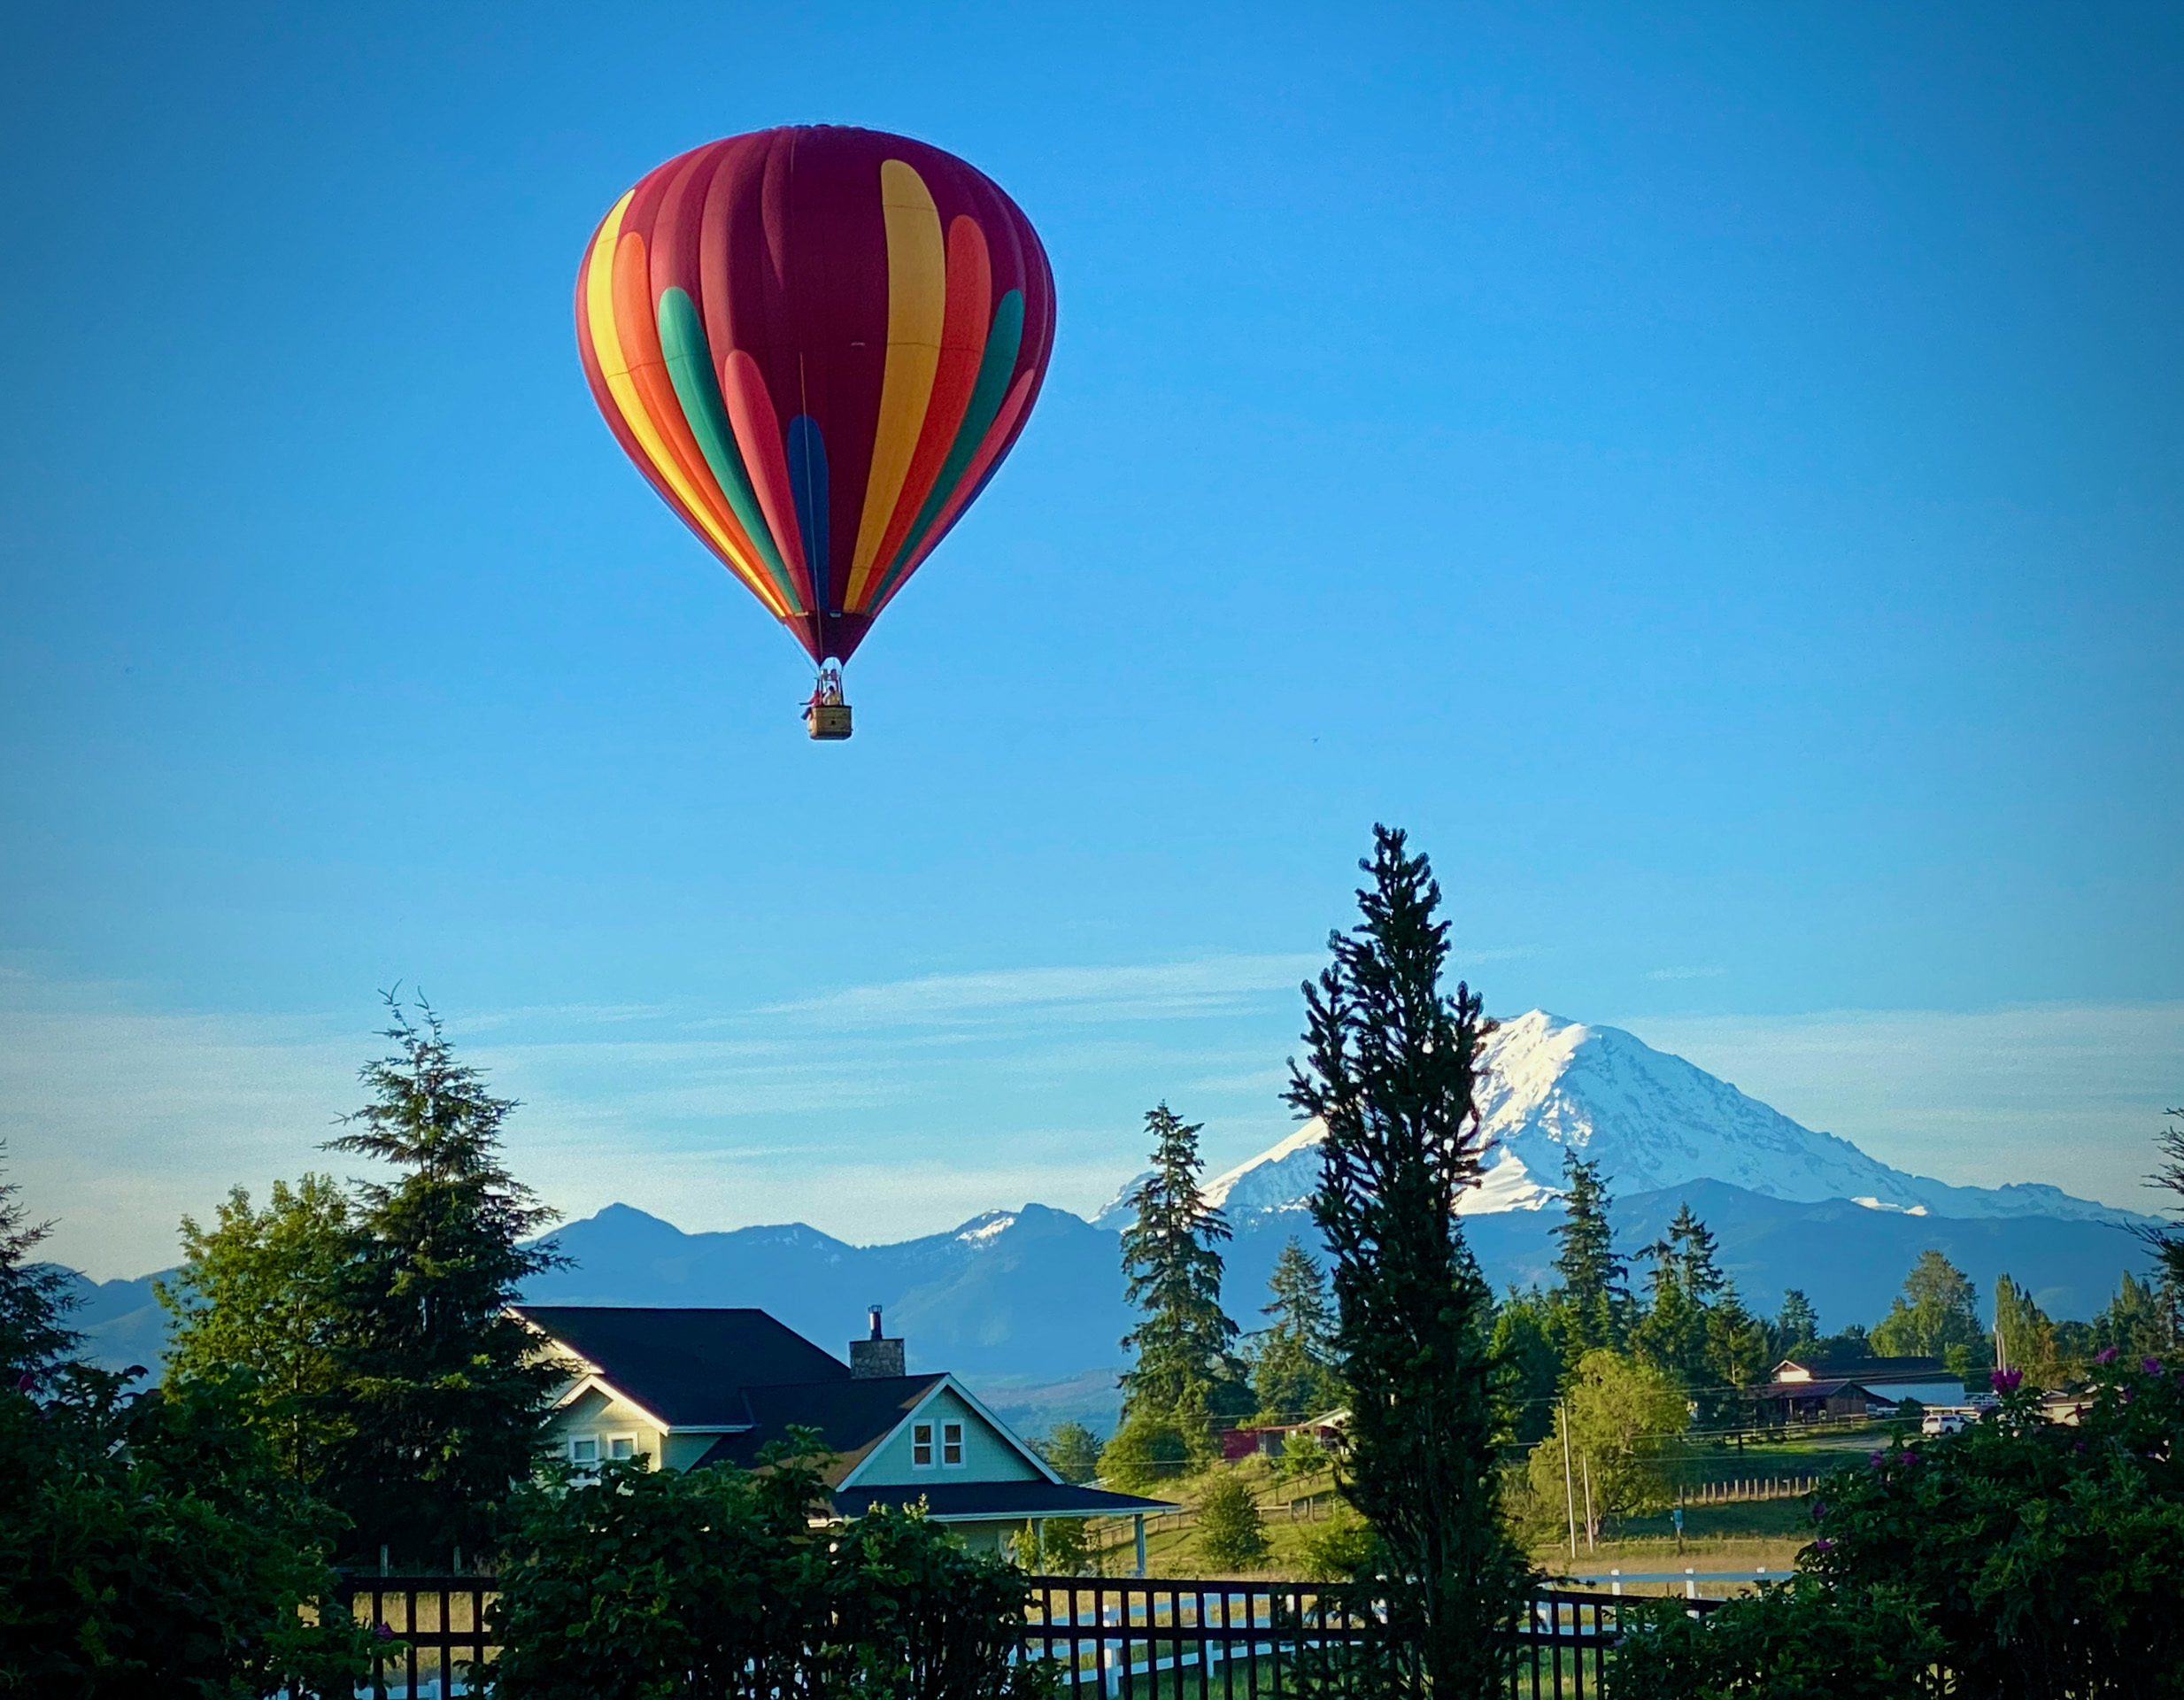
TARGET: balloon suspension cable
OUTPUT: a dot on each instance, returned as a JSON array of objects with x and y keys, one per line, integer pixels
[{"x": 826, "y": 715}]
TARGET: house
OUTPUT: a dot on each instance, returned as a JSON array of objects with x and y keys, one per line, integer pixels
[
  {"x": 1814, "y": 1389},
  {"x": 685, "y": 1387},
  {"x": 1272, "y": 1440}
]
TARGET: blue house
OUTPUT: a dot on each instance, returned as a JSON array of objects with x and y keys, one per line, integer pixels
[{"x": 684, "y": 1387}]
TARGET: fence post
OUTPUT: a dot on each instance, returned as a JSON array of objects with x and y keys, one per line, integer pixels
[
  {"x": 1140, "y": 1521},
  {"x": 1691, "y": 1583}
]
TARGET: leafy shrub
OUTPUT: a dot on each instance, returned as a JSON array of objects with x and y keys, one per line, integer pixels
[
  {"x": 149, "y": 1544},
  {"x": 651, "y": 1584},
  {"x": 2030, "y": 1559},
  {"x": 1232, "y": 1534},
  {"x": 1793, "y": 1641},
  {"x": 2049, "y": 1555},
  {"x": 1304, "y": 1455},
  {"x": 1339, "y": 1549}
]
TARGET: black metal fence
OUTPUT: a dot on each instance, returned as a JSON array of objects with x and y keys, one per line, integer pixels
[
  {"x": 1240, "y": 1640},
  {"x": 438, "y": 1638},
  {"x": 1107, "y": 1640}
]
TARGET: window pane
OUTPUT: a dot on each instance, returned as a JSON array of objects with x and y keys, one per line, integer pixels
[
  {"x": 621, "y": 1447},
  {"x": 922, "y": 1446},
  {"x": 583, "y": 1451},
  {"x": 951, "y": 1444}
]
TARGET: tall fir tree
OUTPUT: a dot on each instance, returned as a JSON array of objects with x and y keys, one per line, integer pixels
[
  {"x": 1531, "y": 1367},
  {"x": 1592, "y": 1304},
  {"x": 1293, "y": 1371},
  {"x": 1186, "y": 1370},
  {"x": 35, "y": 1298},
  {"x": 443, "y": 1394},
  {"x": 1797, "y": 1329},
  {"x": 1392, "y": 1070}
]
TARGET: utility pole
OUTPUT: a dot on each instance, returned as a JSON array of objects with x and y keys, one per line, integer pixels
[
  {"x": 1588, "y": 1503},
  {"x": 1570, "y": 1492}
]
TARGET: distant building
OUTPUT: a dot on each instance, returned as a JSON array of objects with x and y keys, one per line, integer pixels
[
  {"x": 680, "y": 1388},
  {"x": 1813, "y": 1389}
]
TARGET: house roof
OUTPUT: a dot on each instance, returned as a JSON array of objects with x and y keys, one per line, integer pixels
[
  {"x": 1869, "y": 1370},
  {"x": 690, "y": 1368},
  {"x": 948, "y": 1502},
  {"x": 851, "y": 1417},
  {"x": 1807, "y": 1390}
]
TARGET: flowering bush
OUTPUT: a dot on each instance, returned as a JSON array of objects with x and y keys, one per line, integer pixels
[{"x": 2032, "y": 1559}]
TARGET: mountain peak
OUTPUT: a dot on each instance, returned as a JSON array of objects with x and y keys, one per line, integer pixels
[{"x": 1553, "y": 1088}]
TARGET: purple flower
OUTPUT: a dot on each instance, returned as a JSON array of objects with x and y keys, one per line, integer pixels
[
  {"x": 27, "y": 1383},
  {"x": 2108, "y": 1357},
  {"x": 381, "y": 1633},
  {"x": 2078, "y": 1445},
  {"x": 1823, "y": 1544},
  {"x": 2007, "y": 1380},
  {"x": 2151, "y": 1365},
  {"x": 1879, "y": 1458},
  {"x": 1819, "y": 1509}
]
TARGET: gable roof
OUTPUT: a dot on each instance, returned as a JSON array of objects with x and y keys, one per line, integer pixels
[
  {"x": 1869, "y": 1369},
  {"x": 851, "y": 1417},
  {"x": 690, "y": 1368}
]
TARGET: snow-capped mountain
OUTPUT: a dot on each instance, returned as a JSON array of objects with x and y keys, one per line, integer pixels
[{"x": 1651, "y": 1121}]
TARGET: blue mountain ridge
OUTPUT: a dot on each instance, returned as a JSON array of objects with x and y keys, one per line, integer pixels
[{"x": 1029, "y": 1303}]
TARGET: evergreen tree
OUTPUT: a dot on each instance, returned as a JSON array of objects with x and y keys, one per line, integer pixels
[
  {"x": 33, "y": 1297},
  {"x": 443, "y": 1394},
  {"x": 260, "y": 1292},
  {"x": 1531, "y": 1367},
  {"x": 1183, "y": 1341},
  {"x": 2136, "y": 1323},
  {"x": 1937, "y": 1314},
  {"x": 1797, "y": 1329},
  {"x": 1696, "y": 1329},
  {"x": 1592, "y": 1303},
  {"x": 1392, "y": 1070},
  {"x": 1293, "y": 1369}
]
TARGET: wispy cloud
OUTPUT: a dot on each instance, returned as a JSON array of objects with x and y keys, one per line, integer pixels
[
  {"x": 1154, "y": 991},
  {"x": 1686, "y": 973}
]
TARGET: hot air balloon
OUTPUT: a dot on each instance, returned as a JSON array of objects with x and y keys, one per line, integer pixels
[{"x": 818, "y": 344}]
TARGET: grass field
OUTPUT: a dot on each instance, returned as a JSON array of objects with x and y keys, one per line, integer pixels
[{"x": 1742, "y": 1534}]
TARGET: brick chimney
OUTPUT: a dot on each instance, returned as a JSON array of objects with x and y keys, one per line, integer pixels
[{"x": 876, "y": 1355}]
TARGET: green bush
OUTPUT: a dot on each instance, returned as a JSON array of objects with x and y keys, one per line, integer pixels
[
  {"x": 1793, "y": 1641},
  {"x": 149, "y": 1544},
  {"x": 2029, "y": 1559},
  {"x": 656, "y": 1585},
  {"x": 1338, "y": 1549},
  {"x": 1232, "y": 1534}
]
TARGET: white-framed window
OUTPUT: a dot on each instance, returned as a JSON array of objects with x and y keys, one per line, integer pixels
[
  {"x": 921, "y": 1446},
  {"x": 584, "y": 1451},
  {"x": 952, "y": 1445},
  {"x": 622, "y": 1446}
]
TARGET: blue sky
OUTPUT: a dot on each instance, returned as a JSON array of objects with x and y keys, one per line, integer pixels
[{"x": 1712, "y": 476}]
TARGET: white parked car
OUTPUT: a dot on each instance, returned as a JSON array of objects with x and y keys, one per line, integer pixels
[{"x": 1944, "y": 1422}]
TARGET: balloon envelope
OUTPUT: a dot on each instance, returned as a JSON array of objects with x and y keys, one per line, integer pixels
[{"x": 818, "y": 344}]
